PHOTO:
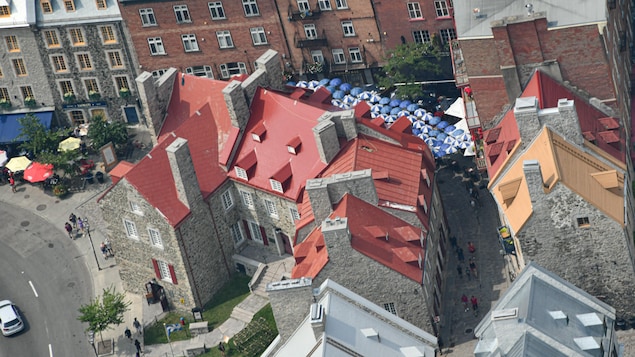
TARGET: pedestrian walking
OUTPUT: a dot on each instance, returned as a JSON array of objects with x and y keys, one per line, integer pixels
[
  {"x": 221, "y": 348},
  {"x": 80, "y": 225},
  {"x": 470, "y": 247},
  {"x": 12, "y": 183},
  {"x": 109, "y": 249},
  {"x": 474, "y": 302},
  {"x": 473, "y": 268},
  {"x": 467, "y": 274},
  {"x": 137, "y": 325},
  {"x": 440, "y": 344},
  {"x": 460, "y": 271},
  {"x": 459, "y": 253},
  {"x": 464, "y": 301},
  {"x": 453, "y": 242},
  {"x": 103, "y": 249},
  {"x": 127, "y": 333},
  {"x": 137, "y": 344},
  {"x": 73, "y": 219},
  {"x": 69, "y": 230}
]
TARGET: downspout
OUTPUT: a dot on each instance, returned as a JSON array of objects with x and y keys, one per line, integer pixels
[
  {"x": 284, "y": 33},
  {"x": 189, "y": 265},
  {"x": 220, "y": 245}
]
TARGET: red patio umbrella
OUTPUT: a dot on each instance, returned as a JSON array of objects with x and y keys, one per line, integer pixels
[{"x": 38, "y": 172}]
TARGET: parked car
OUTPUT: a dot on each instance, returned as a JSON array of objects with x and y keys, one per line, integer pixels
[{"x": 10, "y": 320}]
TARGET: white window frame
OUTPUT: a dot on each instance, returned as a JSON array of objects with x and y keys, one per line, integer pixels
[
  {"x": 303, "y": 5},
  {"x": 112, "y": 65},
  {"x": 442, "y": 8},
  {"x": 325, "y": 5},
  {"x": 295, "y": 215},
  {"x": 338, "y": 56},
  {"x": 88, "y": 61},
  {"x": 200, "y": 71},
  {"x": 341, "y": 4},
  {"x": 155, "y": 238},
  {"x": 105, "y": 41},
  {"x": 355, "y": 54},
  {"x": 183, "y": 12},
  {"x": 272, "y": 210},
  {"x": 276, "y": 185},
  {"x": 258, "y": 36},
  {"x": 254, "y": 230},
  {"x": 189, "y": 43},
  {"x": 228, "y": 200},
  {"x": 216, "y": 10},
  {"x": 414, "y": 10},
  {"x": 447, "y": 35},
  {"x": 147, "y": 17},
  {"x": 248, "y": 199},
  {"x": 317, "y": 56},
  {"x": 225, "y": 72},
  {"x": 237, "y": 233},
  {"x": 348, "y": 29},
  {"x": 241, "y": 173},
  {"x": 164, "y": 271},
  {"x": 158, "y": 73},
  {"x": 131, "y": 229},
  {"x": 136, "y": 208},
  {"x": 224, "y": 39},
  {"x": 423, "y": 34},
  {"x": 156, "y": 46},
  {"x": 310, "y": 31},
  {"x": 250, "y": 7},
  {"x": 63, "y": 60}
]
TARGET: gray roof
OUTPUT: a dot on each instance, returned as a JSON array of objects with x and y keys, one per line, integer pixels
[
  {"x": 354, "y": 324},
  {"x": 85, "y": 12},
  {"x": 558, "y": 13},
  {"x": 543, "y": 315}
]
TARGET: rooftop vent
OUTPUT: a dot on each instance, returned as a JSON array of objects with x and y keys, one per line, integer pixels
[
  {"x": 590, "y": 319},
  {"x": 504, "y": 314},
  {"x": 370, "y": 333}
]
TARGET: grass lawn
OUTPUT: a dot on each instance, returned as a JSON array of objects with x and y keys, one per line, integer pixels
[
  {"x": 262, "y": 332},
  {"x": 215, "y": 312}
]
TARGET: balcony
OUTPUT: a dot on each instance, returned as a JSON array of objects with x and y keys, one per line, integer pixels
[
  {"x": 312, "y": 14},
  {"x": 315, "y": 42},
  {"x": 460, "y": 71}
]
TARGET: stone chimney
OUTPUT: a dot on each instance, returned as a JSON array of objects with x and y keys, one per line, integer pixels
[
  {"x": 344, "y": 123},
  {"x": 182, "y": 167},
  {"x": 337, "y": 239},
  {"x": 236, "y": 104},
  {"x": 321, "y": 203},
  {"x": 155, "y": 98},
  {"x": 569, "y": 124},
  {"x": 317, "y": 318},
  {"x": 526, "y": 113},
  {"x": 326, "y": 140},
  {"x": 291, "y": 302},
  {"x": 270, "y": 63},
  {"x": 535, "y": 182}
]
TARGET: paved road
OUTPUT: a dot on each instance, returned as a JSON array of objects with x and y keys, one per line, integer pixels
[{"x": 42, "y": 272}]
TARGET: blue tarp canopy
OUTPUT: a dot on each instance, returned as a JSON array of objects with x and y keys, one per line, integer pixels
[{"x": 10, "y": 127}]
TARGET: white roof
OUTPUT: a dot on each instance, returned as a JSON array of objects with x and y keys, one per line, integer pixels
[{"x": 22, "y": 14}]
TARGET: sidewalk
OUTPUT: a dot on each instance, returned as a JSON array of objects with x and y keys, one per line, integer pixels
[{"x": 104, "y": 272}]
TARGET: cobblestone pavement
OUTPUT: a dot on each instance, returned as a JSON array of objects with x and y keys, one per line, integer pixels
[{"x": 478, "y": 225}]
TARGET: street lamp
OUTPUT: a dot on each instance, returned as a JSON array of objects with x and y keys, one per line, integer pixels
[
  {"x": 91, "y": 340},
  {"x": 90, "y": 238}
]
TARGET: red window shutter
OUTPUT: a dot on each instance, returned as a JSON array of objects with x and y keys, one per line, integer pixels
[
  {"x": 264, "y": 236},
  {"x": 172, "y": 275},
  {"x": 247, "y": 231},
  {"x": 157, "y": 272}
]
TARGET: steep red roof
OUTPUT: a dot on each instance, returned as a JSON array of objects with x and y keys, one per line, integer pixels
[
  {"x": 498, "y": 141},
  {"x": 197, "y": 113},
  {"x": 285, "y": 120},
  {"x": 375, "y": 233},
  {"x": 592, "y": 120}
]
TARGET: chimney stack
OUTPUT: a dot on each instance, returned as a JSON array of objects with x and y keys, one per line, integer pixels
[
  {"x": 182, "y": 167},
  {"x": 236, "y": 104},
  {"x": 328, "y": 144},
  {"x": 526, "y": 113}
]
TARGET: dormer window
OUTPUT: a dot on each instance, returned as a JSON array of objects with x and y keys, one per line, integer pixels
[
  {"x": 425, "y": 176},
  {"x": 276, "y": 185},
  {"x": 422, "y": 202},
  {"x": 258, "y": 132},
  {"x": 293, "y": 146},
  {"x": 241, "y": 173}
]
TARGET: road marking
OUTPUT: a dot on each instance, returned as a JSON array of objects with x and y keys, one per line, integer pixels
[
  {"x": 50, "y": 350},
  {"x": 33, "y": 288}
]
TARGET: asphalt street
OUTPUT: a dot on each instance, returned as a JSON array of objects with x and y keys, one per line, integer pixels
[{"x": 43, "y": 273}]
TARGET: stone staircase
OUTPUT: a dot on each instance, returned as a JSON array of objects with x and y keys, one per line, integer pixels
[
  {"x": 246, "y": 310},
  {"x": 274, "y": 271}
]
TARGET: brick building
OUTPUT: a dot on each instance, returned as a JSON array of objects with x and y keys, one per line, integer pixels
[
  {"x": 215, "y": 39},
  {"x": 70, "y": 55},
  {"x": 405, "y": 21},
  {"x": 560, "y": 177},
  {"x": 501, "y": 43}
]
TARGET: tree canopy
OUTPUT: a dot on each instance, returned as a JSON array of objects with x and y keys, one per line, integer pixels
[
  {"x": 102, "y": 132},
  {"x": 37, "y": 139},
  {"x": 104, "y": 311}
]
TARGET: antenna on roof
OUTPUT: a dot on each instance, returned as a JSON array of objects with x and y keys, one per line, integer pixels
[
  {"x": 386, "y": 236},
  {"x": 530, "y": 9},
  {"x": 182, "y": 78}
]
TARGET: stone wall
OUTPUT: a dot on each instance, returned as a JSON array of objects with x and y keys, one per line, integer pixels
[
  {"x": 290, "y": 301},
  {"x": 594, "y": 257}
]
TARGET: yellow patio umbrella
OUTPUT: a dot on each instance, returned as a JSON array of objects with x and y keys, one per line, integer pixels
[
  {"x": 19, "y": 163},
  {"x": 69, "y": 144}
]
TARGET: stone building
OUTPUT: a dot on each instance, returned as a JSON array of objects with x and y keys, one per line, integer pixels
[
  {"x": 216, "y": 39},
  {"x": 560, "y": 178},
  {"x": 500, "y": 44},
  {"x": 70, "y": 55},
  {"x": 543, "y": 314}
]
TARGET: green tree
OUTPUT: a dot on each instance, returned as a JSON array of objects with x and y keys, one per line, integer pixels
[
  {"x": 102, "y": 132},
  {"x": 409, "y": 63},
  {"x": 36, "y": 137},
  {"x": 104, "y": 311},
  {"x": 63, "y": 160}
]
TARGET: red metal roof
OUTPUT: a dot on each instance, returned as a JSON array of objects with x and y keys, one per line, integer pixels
[
  {"x": 285, "y": 118},
  {"x": 197, "y": 113},
  {"x": 505, "y": 132},
  {"x": 400, "y": 252}
]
